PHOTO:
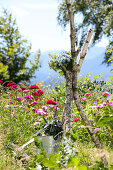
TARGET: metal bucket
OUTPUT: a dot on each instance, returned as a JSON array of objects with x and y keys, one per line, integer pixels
[{"x": 49, "y": 144}]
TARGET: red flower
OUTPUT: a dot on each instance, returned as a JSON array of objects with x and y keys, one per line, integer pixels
[
  {"x": 39, "y": 92},
  {"x": 1, "y": 81},
  {"x": 11, "y": 95},
  {"x": 23, "y": 88},
  {"x": 33, "y": 87},
  {"x": 51, "y": 102},
  {"x": 10, "y": 84}
]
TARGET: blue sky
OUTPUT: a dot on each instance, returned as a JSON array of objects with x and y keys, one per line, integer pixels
[{"x": 37, "y": 22}]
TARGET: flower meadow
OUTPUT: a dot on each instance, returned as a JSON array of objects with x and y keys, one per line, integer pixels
[{"x": 25, "y": 109}]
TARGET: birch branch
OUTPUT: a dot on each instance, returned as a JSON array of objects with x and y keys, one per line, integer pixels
[
  {"x": 84, "y": 50},
  {"x": 72, "y": 29}
]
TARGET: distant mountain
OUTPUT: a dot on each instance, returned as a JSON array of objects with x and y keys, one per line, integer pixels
[{"x": 92, "y": 63}]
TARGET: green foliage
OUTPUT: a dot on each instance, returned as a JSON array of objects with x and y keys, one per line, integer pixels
[
  {"x": 19, "y": 122},
  {"x": 93, "y": 13},
  {"x": 3, "y": 71},
  {"x": 14, "y": 52}
]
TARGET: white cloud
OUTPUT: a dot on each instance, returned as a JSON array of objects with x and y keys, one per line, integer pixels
[
  {"x": 40, "y": 5},
  {"x": 19, "y": 11},
  {"x": 103, "y": 43}
]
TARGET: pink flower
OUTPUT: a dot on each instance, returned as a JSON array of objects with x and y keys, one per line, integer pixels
[
  {"x": 52, "y": 106},
  {"x": 41, "y": 112},
  {"x": 27, "y": 97},
  {"x": 88, "y": 94},
  {"x": 110, "y": 103},
  {"x": 76, "y": 119},
  {"x": 104, "y": 103},
  {"x": 13, "y": 113},
  {"x": 18, "y": 99},
  {"x": 33, "y": 87},
  {"x": 91, "y": 120},
  {"x": 105, "y": 94},
  {"x": 1, "y": 82},
  {"x": 97, "y": 100},
  {"x": 33, "y": 103},
  {"x": 84, "y": 98},
  {"x": 109, "y": 129},
  {"x": 96, "y": 129},
  {"x": 99, "y": 107},
  {"x": 14, "y": 86},
  {"x": 51, "y": 102},
  {"x": 45, "y": 108},
  {"x": 10, "y": 103},
  {"x": 26, "y": 91}
]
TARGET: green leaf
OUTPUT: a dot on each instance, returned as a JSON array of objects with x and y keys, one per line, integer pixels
[{"x": 61, "y": 73}]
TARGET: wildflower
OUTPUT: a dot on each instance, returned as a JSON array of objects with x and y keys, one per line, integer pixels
[
  {"x": 99, "y": 107},
  {"x": 104, "y": 103},
  {"x": 97, "y": 100},
  {"x": 33, "y": 87},
  {"x": 51, "y": 102},
  {"x": 18, "y": 99},
  {"x": 13, "y": 113},
  {"x": 109, "y": 129},
  {"x": 96, "y": 129},
  {"x": 105, "y": 94},
  {"x": 10, "y": 84},
  {"x": 28, "y": 97},
  {"x": 110, "y": 103},
  {"x": 11, "y": 95},
  {"x": 84, "y": 98},
  {"x": 33, "y": 103},
  {"x": 76, "y": 119},
  {"x": 1, "y": 82},
  {"x": 88, "y": 94},
  {"x": 41, "y": 112},
  {"x": 26, "y": 91},
  {"x": 10, "y": 103},
  {"x": 44, "y": 107},
  {"x": 23, "y": 88},
  {"x": 91, "y": 120},
  {"x": 14, "y": 86},
  {"x": 39, "y": 92},
  {"x": 51, "y": 106}
]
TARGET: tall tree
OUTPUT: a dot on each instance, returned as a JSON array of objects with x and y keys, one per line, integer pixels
[
  {"x": 14, "y": 52},
  {"x": 96, "y": 14},
  {"x": 75, "y": 70}
]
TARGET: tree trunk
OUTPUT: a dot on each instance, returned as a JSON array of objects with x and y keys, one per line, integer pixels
[{"x": 69, "y": 101}]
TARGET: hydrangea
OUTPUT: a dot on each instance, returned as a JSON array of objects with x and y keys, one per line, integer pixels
[{"x": 62, "y": 59}]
